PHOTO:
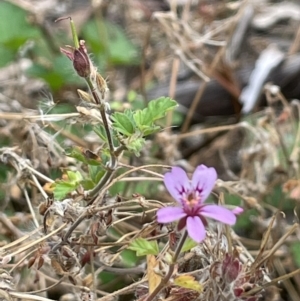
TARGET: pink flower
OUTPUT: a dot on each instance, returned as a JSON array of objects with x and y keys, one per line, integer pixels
[{"x": 190, "y": 195}]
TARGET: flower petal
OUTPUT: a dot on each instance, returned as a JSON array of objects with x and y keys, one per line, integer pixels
[
  {"x": 68, "y": 53},
  {"x": 169, "y": 214},
  {"x": 203, "y": 181},
  {"x": 195, "y": 228},
  {"x": 237, "y": 210},
  {"x": 177, "y": 183},
  {"x": 219, "y": 213}
]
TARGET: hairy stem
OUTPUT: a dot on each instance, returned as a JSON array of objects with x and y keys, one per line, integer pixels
[{"x": 112, "y": 164}]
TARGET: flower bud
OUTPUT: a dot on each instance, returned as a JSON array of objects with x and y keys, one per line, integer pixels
[
  {"x": 81, "y": 60},
  {"x": 84, "y": 96},
  {"x": 101, "y": 85}
]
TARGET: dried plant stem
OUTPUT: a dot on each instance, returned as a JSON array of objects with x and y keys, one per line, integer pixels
[
  {"x": 22, "y": 260},
  {"x": 89, "y": 212},
  {"x": 94, "y": 275},
  {"x": 48, "y": 288},
  {"x": 30, "y": 208},
  {"x": 6, "y": 222},
  {"x": 68, "y": 284},
  {"x": 49, "y": 117},
  {"x": 201, "y": 90},
  {"x": 70, "y": 230},
  {"x": 124, "y": 290},
  {"x": 277, "y": 245},
  {"x": 28, "y": 246},
  {"x": 22, "y": 237},
  {"x": 287, "y": 282},
  {"x": 273, "y": 282},
  {"x": 285, "y": 152},
  {"x": 25, "y": 296},
  {"x": 40, "y": 188},
  {"x": 295, "y": 150},
  {"x": 172, "y": 90},
  {"x": 221, "y": 128},
  {"x": 166, "y": 279}
]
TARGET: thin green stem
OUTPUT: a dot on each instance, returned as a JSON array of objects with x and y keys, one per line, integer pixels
[
  {"x": 74, "y": 34},
  {"x": 166, "y": 279}
]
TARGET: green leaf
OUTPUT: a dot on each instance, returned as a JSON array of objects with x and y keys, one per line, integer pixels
[
  {"x": 15, "y": 31},
  {"x": 148, "y": 130},
  {"x": 84, "y": 156},
  {"x": 100, "y": 131},
  {"x": 188, "y": 245},
  {"x": 159, "y": 107},
  {"x": 62, "y": 188},
  {"x": 76, "y": 154},
  {"x": 143, "y": 118},
  {"x": 74, "y": 176},
  {"x": 109, "y": 43},
  {"x": 156, "y": 109},
  {"x": 129, "y": 258},
  {"x": 57, "y": 73},
  {"x": 144, "y": 247},
  {"x": 87, "y": 184},
  {"x": 124, "y": 123},
  {"x": 136, "y": 145},
  {"x": 96, "y": 173}
]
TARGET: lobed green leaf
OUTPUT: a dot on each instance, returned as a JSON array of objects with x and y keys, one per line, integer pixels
[{"x": 144, "y": 247}]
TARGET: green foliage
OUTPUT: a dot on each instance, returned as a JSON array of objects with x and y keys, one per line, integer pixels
[
  {"x": 63, "y": 187},
  {"x": 129, "y": 258},
  {"x": 15, "y": 31},
  {"x": 96, "y": 173},
  {"x": 188, "y": 245},
  {"x": 57, "y": 73},
  {"x": 84, "y": 156},
  {"x": 295, "y": 249},
  {"x": 109, "y": 44},
  {"x": 144, "y": 247},
  {"x": 155, "y": 110},
  {"x": 278, "y": 199},
  {"x": 244, "y": 220},
  {"x": 135, "y": 125},
  {"x": 100, "y": 131},
  {"x": 124, "y": 122},
  {"x": 109, "y": 278}
]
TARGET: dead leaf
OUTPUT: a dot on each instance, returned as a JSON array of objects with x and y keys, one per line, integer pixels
[{"x": 153, "y": 278}]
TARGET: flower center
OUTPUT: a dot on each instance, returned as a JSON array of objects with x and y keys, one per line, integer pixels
[{"x": 191, "y": 201}]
